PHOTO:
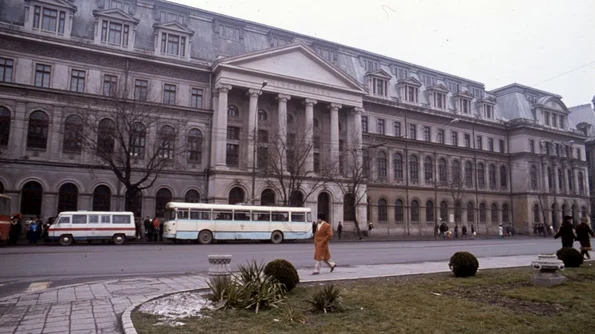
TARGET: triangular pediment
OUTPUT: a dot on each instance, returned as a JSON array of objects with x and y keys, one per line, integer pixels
[
  {"x": 294, "y": 61},
  {"x": 57, "y": 3},
  {"x": 465, "y": 94},
  {"x": 379, "y": 74},
  {"x": 410, "y": 81},
  {"x": 438, "y": 88},
  {"x": 115, "y": 14},
  {"x": 488, "y": 100},
  {"x": 174, "y": 26}
]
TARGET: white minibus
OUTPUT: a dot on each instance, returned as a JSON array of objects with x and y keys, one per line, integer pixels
[
  {"x": 206, "y": 222},
  {"x": 92, "y": 225}
]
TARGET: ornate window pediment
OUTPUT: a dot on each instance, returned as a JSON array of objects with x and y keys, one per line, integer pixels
[
  {"x": 115, "y": 27},
  {"x": 439, "y": 88},
  {"x": 115, "y": 14},
  {"x": 464, "y": 94},
  {"x": 437, "y": 96},
  {"x": 50, "y": 17},
  {"x": 409, "y": 90},
  {"x": 410, "y": 82},
  {"x": 378, "y": 82},
  {"x": 172, "y": 39}
]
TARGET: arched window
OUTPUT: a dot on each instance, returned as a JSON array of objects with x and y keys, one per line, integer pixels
[
  {"x": 444, "y": 211},
  {"x": 381, "y": 161},
  {"x": 233, "y": 112},
  {"x": 324, "y": 204},
  {"x": 550, "y": 178},
  {"x": 262, "y": 115},
  {"x": 37, "y": 135},
  {"x": 470, "y": 212},
  {"x": 68, "y": 197},
  {"x": 162, "y": 197},
  {"x": 382, "y": 211},
  {"x": 581, "y": 183},
  {"x": 442, "y": 170},
  {"x": 414, "y": 211},
  {"x": 413, "y": 168},
  {"x": 429, "y": 211},
  {"x": 138, "y": 137},
  {"x": 482, "y": 213},
  {"x": 236, "y": 195},
  {"x": 192, "y": 196},
  {"x": 536, "y": 213},
  {"x": 428, "y": 169},
  {"x": 533, "y": 177},
  {"x": 494, "y": 213},
  {"x": 167, "y": 142},
  {"x": 399, "y": 211},
  {"x": 102, "y": 198},
  {"x": 505, "y": 213},
  {"x": 4, "y": 126},
  {"x": 398, "y": 165},
  {"x": 267, "y": 198},
  {"x": 492, "y": 176},
  {"x": 195, "y": 146},
  {"x": 348, "y": 203},
  {"x": 458, "y": 212},
  {"x": 468, "y": 174},
  {"x": 106, "y": 133},
  {"x": 31, "y": 198},
  {"x": 73, "y": 132},
  {"x": 456, "y": 172},
  {"x": 481, "y": 180},
  {"x": 503, "y": 177},
  {"x": 296, "y": 199}
]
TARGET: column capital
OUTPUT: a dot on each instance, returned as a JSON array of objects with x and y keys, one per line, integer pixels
[
  {"x": 253, "y": 92},
  {"x": 283, "y": 97},
  {"x": 335, "y": 106},
  {"x": 358, "y": 110},
  {"x": 310, "y": 102},
  {"x": 222, "y": 88}
]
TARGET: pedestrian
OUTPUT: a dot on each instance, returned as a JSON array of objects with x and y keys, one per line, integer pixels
[
  {"x": 500, "y": 232},
  {"x": 473, "y": 234},
  {"x": 33, "y": 232},
  {"x": 148, "y": 225},
  {"x": 161, "y": 223},
  {"x": 339, "y": 230},
  {"x": 370, "y": 228},
  {"x": 321, "y": 240},
  {"x": 138, "y": 226},
  {"x": 566, "y": 232},
  {"x": 15, "y": 229},
  {"x": 156, "y": 224},
  {"x": 456, "y": 231},
  {"x": 39, "y": 229},
  {"x": 464, "y": 230},
  {"x": 443, "y": 229},
  {"x": 314, "y": 226},
  {"x": 582, "y": 235}
]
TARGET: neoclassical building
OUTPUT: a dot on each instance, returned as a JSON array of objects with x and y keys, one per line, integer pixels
[{"x": 436, "y": 146}]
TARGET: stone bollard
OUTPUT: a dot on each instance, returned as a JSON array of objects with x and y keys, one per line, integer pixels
[
  {"x": 548, "y": 267},
  {"x": 219, "y": 267}
]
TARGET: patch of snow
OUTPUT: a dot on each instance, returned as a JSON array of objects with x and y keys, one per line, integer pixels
[{"x": 175, "y": 307}]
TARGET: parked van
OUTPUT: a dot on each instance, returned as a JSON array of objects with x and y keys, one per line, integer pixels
[{"x": 92, "y": 225}]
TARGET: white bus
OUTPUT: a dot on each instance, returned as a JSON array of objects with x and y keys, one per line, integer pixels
[
  {"x": 75, "y": 226},
  {"x": 206, "y": 222}
]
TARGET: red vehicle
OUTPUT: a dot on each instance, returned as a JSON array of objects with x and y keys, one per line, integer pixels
[{"x": 4, "y": 217}]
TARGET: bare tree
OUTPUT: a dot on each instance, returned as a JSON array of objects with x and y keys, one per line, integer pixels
[
  {"x": 134, "y": 138},
  {"x": 290, "y": 165}
]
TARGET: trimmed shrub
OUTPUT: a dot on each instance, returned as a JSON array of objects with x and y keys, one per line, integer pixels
[
  {"x": 327, "y": 299},
  {"x": 463, "y": 264},
  {"x": 284, "y": 272},
  {"x": 570, "y": 256}
]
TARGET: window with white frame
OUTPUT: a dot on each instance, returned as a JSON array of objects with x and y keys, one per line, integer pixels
[
  {"x": 370, "y": 65},
  {"x": 169, "y": 94},
  {"x": 77, "y": 81},
  {"x": 428, "y": 80},
  {"x": 411, "y": 93},
  {"x": 554, "y": 120},
  {"x": 196, "y": 98},
  {"x": 489, "y": 111},
  {"x": 42, "y": 75},
  {"x": 546, "y": 118},
  {"x": 379, "y": 87},
  {"x": 491, "y": 144},
  {"x": 49, "y": 19},
  {"x": 401, "y": 73},
  {"x": 6, "y": 66},
  {"x": 439, "y": 100},
  {"x": 364, "y": 124},
  {"x": 454, "y": 87},
  {"x": 141, "y": 88},
  {"x": 441, "y": 136},
  {"x": 412, "y": 131},
  {"x": 465, "y": 105},
  {"x": 397, "y": 129},
  {"x": 427, "y": 133},
  {"x": 173, "y": 45},
  {"x": 110, "y": 85},
  {"x": 115, "y": 33},
  {"x": 477, "y": 93},
  {"x": 380, "y": 129}
]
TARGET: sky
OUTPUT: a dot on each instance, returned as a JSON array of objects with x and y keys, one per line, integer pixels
[{"x": 546, "y": 44}]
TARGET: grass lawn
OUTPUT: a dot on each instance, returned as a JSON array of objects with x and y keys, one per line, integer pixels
[{"x": 495, "y": 301}]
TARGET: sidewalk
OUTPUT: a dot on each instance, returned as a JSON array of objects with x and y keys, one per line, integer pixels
[{"x": 96, "y": 307}]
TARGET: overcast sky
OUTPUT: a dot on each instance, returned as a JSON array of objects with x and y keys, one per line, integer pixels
[{"x": 545, "y": 44}]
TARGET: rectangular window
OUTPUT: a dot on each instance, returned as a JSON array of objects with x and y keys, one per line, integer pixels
[
  {"x": 140, "y": 90},
  {"x": 370, "y": 65},
  {"x": 232, "y": 155},
  {"x": 428, "y": 80},
  {"x": 229, "y": 32},
  {"x": 477, "y": 93},
  {"x": 364, "y": 124},
  {"x": 61, "y": 22},
  {"x": 6, "y": 69},
  {"x": 316, "y": 162},
  {"x": 454, "y": 138},
  {"x": 411, "y": 94},
  {"x": 578, "y": 153},
  {"x": 397, "y": 129},
  {"x": 379, "y": 87},
  {"x": 489, "y": 111},
  {"x": 42, "y": 75},
  {"x": 380, "y": 126},
  {"x": 454, "y": 87},
  {"x": 169, "y": 94},
  {"x": 467, "y": 140},
  {"x": 233, "y": 133},
  {"x": 554, "y": 120},
  {"x": 412, "y": 131},
  {"x": 49, "y": 19},
  {"x": 562, "y": 122},
  {"x": 557, "y": 149},
  {"x": 501, "y": 142},
  {"x": 427, "y": 134},
  {"x": 110, "y": 85},
  {"x": 441, "y": 136},
  {"x": 120, "y": 5},
  {"x": 531, "y": 145},
  {"x": 465, "y": 106},
  {"x": 263, "y": 157},
  {"x": 167, "y": 17},
  {"x": 36, "y": 17},
  {"x": 115, "y": 33},
  {"x": 546, "y": 117},
  {"x": 439, "y": 100},
  {"x": 479, "y": 143},
  {"x": 491, "y": 144},
  {"x": 196, "y": 99},
  {"x": 402, "y": 73},
  {"x": 173, "y": 45},
  {"x": 77, "y": 81}
]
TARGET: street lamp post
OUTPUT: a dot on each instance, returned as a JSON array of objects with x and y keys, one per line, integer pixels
[
  {"x": 454, "y": 120},
  {"x": 254, "y": 140}
]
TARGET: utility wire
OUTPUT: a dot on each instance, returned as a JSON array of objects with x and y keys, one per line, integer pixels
[{"x": 559, "y": 75}]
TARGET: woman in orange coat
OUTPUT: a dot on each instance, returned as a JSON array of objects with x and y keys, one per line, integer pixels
[{"x": 323, "y": 235}]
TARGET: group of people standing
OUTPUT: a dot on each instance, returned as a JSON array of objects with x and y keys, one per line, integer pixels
[
  {"x": 151, "y": 228},
  {"x": 444, "y": 232},
  {"x": 35, "y": 229},
  {"x": 583, "y": 234}
]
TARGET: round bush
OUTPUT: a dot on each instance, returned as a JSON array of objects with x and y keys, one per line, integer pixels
[
  {"x": 284, "y": 272},
  {"x": 463, "y": 264},
  {"x": 570, "y": 256}
]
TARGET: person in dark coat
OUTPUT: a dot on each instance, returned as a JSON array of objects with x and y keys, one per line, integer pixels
[
  {"x": 566, "y": 232},
  {"x": 464, "y": 230},
  {"x": 339, "y": 230},
  {"x": 15, "y": 229},
  {"x": 583, "y": 231}
]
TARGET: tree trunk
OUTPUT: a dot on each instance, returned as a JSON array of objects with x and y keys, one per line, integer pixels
[
  {"x": 130, "y": 203},
  {"x": 357, "y": 229}
]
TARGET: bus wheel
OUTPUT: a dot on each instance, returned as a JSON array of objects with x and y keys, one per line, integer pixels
[
  {"x": 277, "y": 237},
  {"x": 205, "y": 237},
  {"x": 66, "y": 240},
  {"x": 119, "y": 239}
]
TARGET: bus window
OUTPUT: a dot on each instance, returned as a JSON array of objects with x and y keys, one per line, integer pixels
[
  {"x": 222, "y": 215},
  {"x": 298, "y": 217},
  {"x": 280, "y": 216},
  {"x": 261, "y": 216},
  {"x": 183, "y": 214},
  {"x": 170, "y": 214},
  {"x": 121, "y": 219},
  {"x": 105, "y": 219},
  {"x": 64, "y": 220},
  {"x": 309, "y": 216},
  {"x": 93, "y": 219},
  {"x": 241, "y": 215},
  {"x": 200, "y": 214},
  {"x": 79, "y": 219}
]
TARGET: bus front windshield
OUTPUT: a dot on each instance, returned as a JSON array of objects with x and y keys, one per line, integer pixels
[{"x": 170, "y": 214}]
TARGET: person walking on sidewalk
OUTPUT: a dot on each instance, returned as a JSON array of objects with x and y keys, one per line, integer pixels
[
  {"x": 566, "y": 231},
  {"x": 156, "y": 224},
  {"x": 583, "y": 231},
  {"x": 339, "y": 230},
  {"x": 323, "y": 235},
  {"x": 500, "y": 232},
  {"x": 464, "y": 231},
  {"x": 456, "y": 231},
  {"x": 33, "y": 232}
]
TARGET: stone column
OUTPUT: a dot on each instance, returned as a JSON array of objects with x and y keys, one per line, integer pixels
[
  {"x": 252, "y": 126},
  {"x": 309, "y": 103},
  {"x": 356, "y": 136},
  {"x": 219, "y": 136},
  {"x": 282, "y": 131},
  {"x": 334, "y": 131}
]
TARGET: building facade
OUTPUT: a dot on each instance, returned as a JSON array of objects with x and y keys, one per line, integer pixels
[{"x": 435, "y": 146}]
